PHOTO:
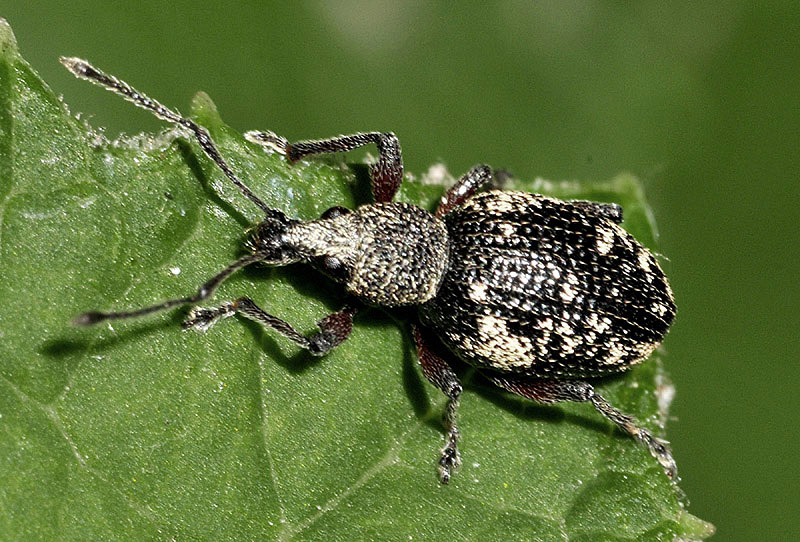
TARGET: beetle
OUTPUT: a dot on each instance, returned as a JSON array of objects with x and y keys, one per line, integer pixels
[{"x": 537, "y": 293}]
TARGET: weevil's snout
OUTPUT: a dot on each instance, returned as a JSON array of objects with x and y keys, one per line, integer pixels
[{"x": 269, "y": 238}]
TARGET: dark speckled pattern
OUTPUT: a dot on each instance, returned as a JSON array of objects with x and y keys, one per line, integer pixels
[{"x": 541, "y": 287}]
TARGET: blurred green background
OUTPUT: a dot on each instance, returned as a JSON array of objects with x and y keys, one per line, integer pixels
[{"x": 701, "y": 101}]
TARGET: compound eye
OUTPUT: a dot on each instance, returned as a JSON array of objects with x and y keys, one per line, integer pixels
[
  {"x": 336, "y": 211},
  {"x": 333, "y": 267},
  {"x": 332, "y": 264}
]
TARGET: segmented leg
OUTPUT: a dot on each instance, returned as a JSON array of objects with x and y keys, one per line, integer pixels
[
  {"x": 611, "y": 211},
  {"x": 386, "y": 173},
  {"x": 439, "y": 373},
  {"x": 82, "y": 69},
  {"x": 464, "y": 188},
  {"x": 334, "y": 328},
  {"x": 553, "y": 391}
]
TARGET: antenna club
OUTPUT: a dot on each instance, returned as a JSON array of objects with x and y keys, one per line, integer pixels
[{"x": 88, "y": 319}]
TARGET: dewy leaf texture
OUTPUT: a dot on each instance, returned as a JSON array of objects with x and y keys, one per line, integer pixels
[{"x": 136, "y": 430}]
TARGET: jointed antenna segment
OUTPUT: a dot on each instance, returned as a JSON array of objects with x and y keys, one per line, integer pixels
[
  {"x": 204, "y": 292},
  {"x": 83, "y": 70}
]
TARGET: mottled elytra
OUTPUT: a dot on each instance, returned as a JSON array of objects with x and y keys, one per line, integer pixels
[{"x": 536, "y": 292}]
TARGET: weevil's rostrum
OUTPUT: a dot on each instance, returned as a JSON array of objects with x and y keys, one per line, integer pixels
[
  {"x": 541, "y": 287},
  {"x": 536, "y": 292}
]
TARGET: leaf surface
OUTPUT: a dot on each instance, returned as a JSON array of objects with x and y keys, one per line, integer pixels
[{"x": 137, "y": 430}]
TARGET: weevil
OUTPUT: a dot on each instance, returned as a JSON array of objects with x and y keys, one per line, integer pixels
[{"x": 537, "y": 293}]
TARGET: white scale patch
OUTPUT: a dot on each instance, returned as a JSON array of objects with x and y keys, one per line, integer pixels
[
  {"x": 555, "y": 272},
  {"x": 506, "y": 229},
  {"x": 644, "y": 260},
  {"x": 545, "y": 323},
  {"x": 605, "y": 240},
  {"x": 645, "y": 349},
  {"x": 599, "y": 326},
  {"x": 659, "y": 309},
  {"x": 498, "y": 344},
  {"x": 564, "y": 329},
  {"x": 569, "y": 344},
  {"x": 567, "y": 293},
  {"x": 615, "y": 352},
  {"x": 500, "y": 205},
  {"x": 477, "y": 292}
]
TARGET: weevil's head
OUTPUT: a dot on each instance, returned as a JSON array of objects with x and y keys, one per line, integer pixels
[
  {"x": 387, "y": 254},
  {"x": 328, "y": 243},
  {"x": 269, "y": 239}
]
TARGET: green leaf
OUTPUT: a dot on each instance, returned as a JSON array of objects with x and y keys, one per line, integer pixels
[{"x": 136, "y": 430}]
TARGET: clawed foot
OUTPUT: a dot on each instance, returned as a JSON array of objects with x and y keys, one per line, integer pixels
[
  {"x": 661, "y": 451},
  {"x": 450, "y": 460},
  {"x": 268, "y": 140},
  {"x": 201, "y": 319}
]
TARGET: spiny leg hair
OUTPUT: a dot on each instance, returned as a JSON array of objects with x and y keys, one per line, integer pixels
[
  {"x": 553, "y": 391},
  {"x": 334, "y": 328},
  {"x": 386, "y": 174},
  {"x": 439, "y": 373},
  {"x": 464, "y": 189}
]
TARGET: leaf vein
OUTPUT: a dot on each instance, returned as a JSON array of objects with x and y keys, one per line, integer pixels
[
  {"x": 265, "y": 437},
  {"x": 389, "y": 458}
]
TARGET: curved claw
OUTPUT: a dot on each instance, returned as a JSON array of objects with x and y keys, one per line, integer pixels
[{"x": 450, "y": 459}]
